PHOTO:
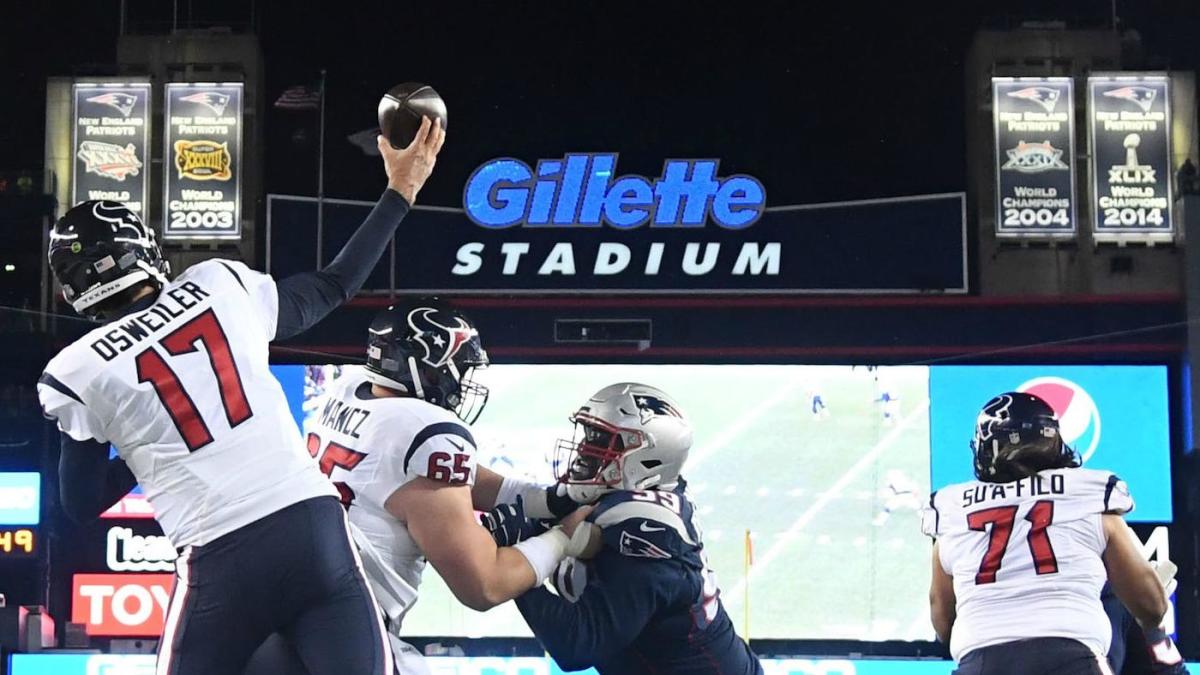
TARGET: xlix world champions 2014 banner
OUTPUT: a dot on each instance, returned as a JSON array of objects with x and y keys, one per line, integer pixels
[
  {"x": 203, "y": 153},
  {"x": 109, "y": 144},
  {"x": 1130, "y": 134},
  {"x": 1035, "y": 157}
]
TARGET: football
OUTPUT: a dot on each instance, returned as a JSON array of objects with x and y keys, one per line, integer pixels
[{"x": 401, "y": 109}]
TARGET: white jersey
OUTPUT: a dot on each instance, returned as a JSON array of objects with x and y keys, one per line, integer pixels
[
  {"x": 184, "y": 392},
  {"x": 1026, "y": 556},
  {"x": 370, "y": 447}
]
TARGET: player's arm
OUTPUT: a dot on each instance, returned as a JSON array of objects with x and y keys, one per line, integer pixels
[
  {"x": 305, "y": 299},
  {"x": 441, "y": 519},
  {"x": 1133, "y": 579},
  {"x": 606, "y": 618},
  {"x": 89, "y": 482},
  {"x": 540, "y": 502},
  {"x": 942, "y": 602}
]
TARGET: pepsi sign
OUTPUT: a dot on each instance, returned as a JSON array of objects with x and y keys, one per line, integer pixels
[
  {"x": 581, "y": 190},
  {"x": 1115, "y": 417}
]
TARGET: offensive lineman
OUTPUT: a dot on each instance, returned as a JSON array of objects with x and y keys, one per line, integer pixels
[
  {"x": 1022, "y": 553},
  {"x": 647, "y": 603},
  {"x": 178, "y": 381},
  {"x": 395, "y": 438}
]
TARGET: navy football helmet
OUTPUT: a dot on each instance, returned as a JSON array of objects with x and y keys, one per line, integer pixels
[
  {"x": 1017, "y": 435},
  {"x": 100, "y": 249},
  {"x": 429, "y": 351}
]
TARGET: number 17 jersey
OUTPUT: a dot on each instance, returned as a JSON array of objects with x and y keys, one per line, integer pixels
[
  {"x": 1026, "y": 556},
  {"x": 184, "y": 392}
]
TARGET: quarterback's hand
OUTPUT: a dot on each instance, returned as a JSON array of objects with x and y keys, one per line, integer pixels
[
  {"x": 508, "y": 525},
  {"x": 408, "y": 168}
]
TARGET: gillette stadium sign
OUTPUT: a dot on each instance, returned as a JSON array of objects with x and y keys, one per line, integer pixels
[{"x": 578, "y": 224}]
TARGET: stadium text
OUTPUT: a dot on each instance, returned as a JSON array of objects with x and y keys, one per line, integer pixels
[
  {"x": 581, "y": 190},
  {"x": 612, "y": 258}
]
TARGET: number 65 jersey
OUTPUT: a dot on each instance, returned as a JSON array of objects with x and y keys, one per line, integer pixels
[
  {"x": 1026, "y": 556},
  {"x": 184, "y": 391}
]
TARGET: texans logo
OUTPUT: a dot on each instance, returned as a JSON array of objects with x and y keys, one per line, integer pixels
[
  {"x": 1078, "y": 415},
  {"x": 1046, "y": 97},
  {"x": 440, "y": 339},
  {"x": 122, "y": 220},
  {"x": 1143, "y": 97},
  {"x": 214, "y": 101},
  {"x": 122, "y": 102}
]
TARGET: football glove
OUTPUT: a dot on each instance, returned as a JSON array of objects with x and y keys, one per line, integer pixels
[
  {"x": 508, "y": 525},
  {"x": 1164, "y": 656}
]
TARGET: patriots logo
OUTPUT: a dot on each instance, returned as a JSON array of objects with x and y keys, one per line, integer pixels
[
  {"x": 636, "y": 547},
  {"x": 1046, "y": 97},
  {"x": 1143, "y": 97},
  {"x": 649, "y": 406},
  {"x": 214, "y": 101},
  {"x": 120, "y": 101},
  {"x": 441, "y": 341}
]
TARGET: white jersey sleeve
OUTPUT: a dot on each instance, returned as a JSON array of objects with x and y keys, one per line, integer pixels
[
  {"x": 62, "y": 403},
  {"x": 262, "y": 292},
  {"x": 1026, "y": 556}
]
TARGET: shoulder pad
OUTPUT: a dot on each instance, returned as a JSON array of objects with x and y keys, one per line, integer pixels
[{"x": 637, "y": 525}]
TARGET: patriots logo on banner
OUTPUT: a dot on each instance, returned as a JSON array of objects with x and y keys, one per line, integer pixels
[
  {"x": 636, "y": 547},
  {"x": 1143, "y": 97},
  {"x": 213, "y": 100},
  {"x": 120, "y": 101},
  {"x": 441, "y": 341},
  {"x": 1046, "y": 97}
]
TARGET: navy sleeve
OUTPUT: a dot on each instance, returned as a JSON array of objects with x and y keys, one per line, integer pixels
[
  {"x": 305, "y": 299},
  {"x": 610, "y": 614},
  {"x": 89, "y": 482}
]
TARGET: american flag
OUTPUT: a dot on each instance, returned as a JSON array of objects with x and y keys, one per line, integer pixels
[{"x": 299, "y": 97}]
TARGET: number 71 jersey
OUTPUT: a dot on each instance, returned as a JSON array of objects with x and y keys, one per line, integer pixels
[
  {"x": 1026, "y": 556},
  {"x": 184, "y": 391}
]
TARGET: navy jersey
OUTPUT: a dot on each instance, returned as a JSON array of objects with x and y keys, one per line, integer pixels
[{"x": 649, "y": 604}]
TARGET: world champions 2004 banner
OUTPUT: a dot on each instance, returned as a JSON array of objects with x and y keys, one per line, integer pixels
[
  {"x": 110, "y": 141},
  {"x": 1129, "y": 123},
  {"x": 1035, "y": 157},
  {"x": 202, "y": 156}
]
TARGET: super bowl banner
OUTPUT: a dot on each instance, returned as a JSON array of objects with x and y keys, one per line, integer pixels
[
  {"x": 1129, "y": 123},
  {"x": 110, "y": 139},
  {"x": 1034, "y": 120},
  {"x": 202, "y": 157}
]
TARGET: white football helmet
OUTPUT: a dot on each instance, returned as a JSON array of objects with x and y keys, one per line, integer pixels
[{"x": 628, "y": 436}]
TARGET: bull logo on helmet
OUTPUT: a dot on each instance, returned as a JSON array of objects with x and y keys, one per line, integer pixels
[{"x": 440, "y": 341}]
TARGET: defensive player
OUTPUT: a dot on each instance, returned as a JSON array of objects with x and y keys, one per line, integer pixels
[
  {"x": 177, "y": 379},
  {"x": 1022, "y": 553},
  {"x": 395, "y": 439},
  {"x": 647, "y": 603}
]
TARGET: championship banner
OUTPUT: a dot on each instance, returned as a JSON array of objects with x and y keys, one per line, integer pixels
[
  {"x": 203, "y": 157},
  {"x": 1130, "y": 135},
  {"x": 110, "y": 141},
  {"x": 1034, "y": 124}
]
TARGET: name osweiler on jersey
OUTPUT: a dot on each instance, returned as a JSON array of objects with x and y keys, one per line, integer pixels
[
  {"x": 1026, "y": 556},
  {"x": 226, "y": 453},
  {"x": 647, "y": 602}
]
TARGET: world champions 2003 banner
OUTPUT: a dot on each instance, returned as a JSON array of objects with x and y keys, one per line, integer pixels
[
  {"x": 1035, "y": 157},
  {"x": 110, "y": 141},
  {"x": 1129, "y": 123},
  {"x": 577, "y": 224},
  {"x": 203, "y": 152}
]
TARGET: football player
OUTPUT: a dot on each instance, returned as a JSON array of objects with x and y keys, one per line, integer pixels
[
  {"x": 177, "y": 380},
  {"x": 395, "y": 438},
  {"x": 1135, "y": 651},
  {"x": 1021, "y": 554},
  {"x": 647, "y": 602}
]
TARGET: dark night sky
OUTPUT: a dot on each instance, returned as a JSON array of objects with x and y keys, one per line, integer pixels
[{"x": 823, "y": 101}]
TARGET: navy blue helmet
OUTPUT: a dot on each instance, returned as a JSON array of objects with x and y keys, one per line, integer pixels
[{"x": 1017, "y": 435}]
